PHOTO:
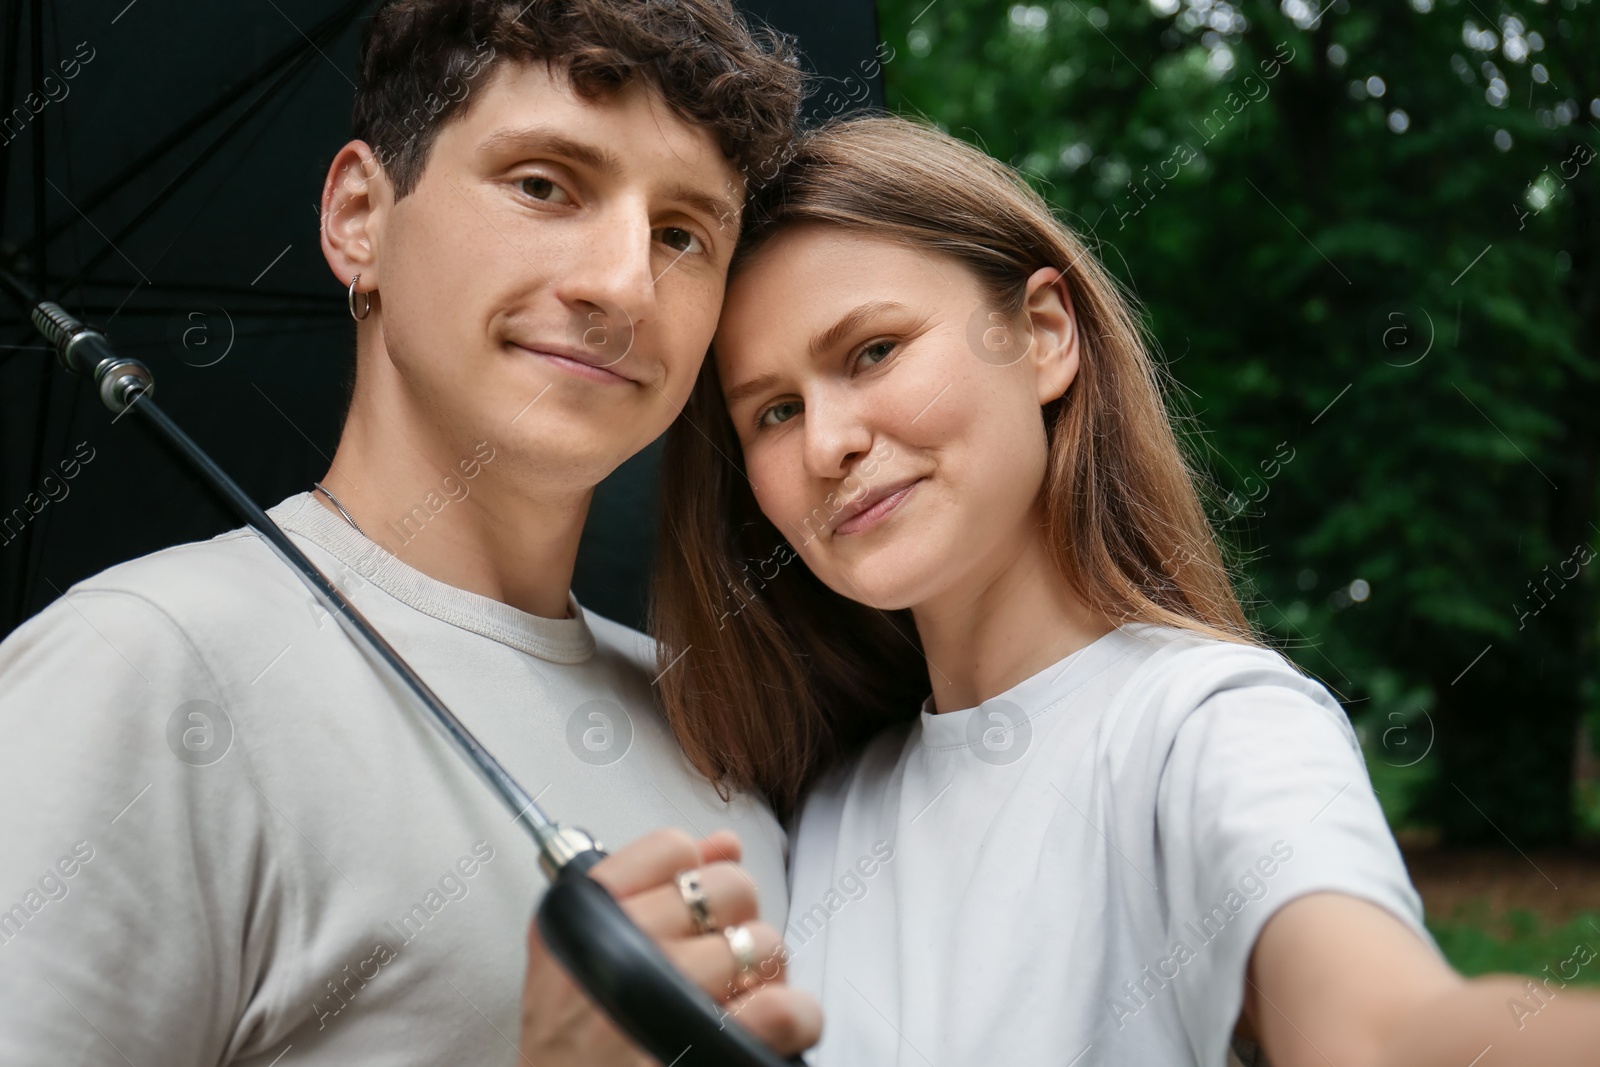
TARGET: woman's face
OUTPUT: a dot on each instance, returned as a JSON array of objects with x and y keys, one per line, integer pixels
[{"x": 890, "y": 420}]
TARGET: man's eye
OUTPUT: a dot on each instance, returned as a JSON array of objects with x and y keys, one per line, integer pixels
[
  {"x": 680, "y": 240},
  {"x": 544, "y": 189},
  {"x": 782, "y": 411}
]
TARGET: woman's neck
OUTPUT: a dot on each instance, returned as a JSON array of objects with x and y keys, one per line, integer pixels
[{"x": 1001, "y": 626}]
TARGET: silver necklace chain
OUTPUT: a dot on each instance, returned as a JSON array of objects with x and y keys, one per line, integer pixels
[{"x": 342, "y": 511}]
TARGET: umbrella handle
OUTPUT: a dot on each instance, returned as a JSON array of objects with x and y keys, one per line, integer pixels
[{"x": 627, "y": 974}]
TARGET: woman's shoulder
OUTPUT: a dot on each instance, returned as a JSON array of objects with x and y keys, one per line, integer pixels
[
  {"x": 1180, "y": 672},
  {"x": 1186, "y": 665}
]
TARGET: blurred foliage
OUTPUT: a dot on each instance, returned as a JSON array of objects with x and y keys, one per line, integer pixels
[
  {"x": 1367, "y": 234},
  {"x": 1521, "y": 942}
]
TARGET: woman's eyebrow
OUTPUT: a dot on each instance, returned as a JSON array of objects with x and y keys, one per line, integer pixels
[
  {"x": 759, "y": 384},
  {"x": 849, "y": 323}
]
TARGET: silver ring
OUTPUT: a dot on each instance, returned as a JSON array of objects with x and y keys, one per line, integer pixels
[
  {"x": 743, "y": 946},
  {"x": 694, "y": 895},
  {"x": 366, "y": 303}
]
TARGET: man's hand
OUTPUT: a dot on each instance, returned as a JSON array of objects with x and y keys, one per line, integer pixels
[{"x": 561, "y": 1026}]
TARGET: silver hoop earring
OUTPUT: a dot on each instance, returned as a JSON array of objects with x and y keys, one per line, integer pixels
[{"x": 366, "y": 302}]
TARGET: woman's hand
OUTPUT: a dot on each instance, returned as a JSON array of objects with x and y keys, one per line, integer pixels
[{"x": 559, "y": 1024}]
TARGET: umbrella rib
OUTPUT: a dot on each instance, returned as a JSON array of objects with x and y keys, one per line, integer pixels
[
  {"x": 331, "y": 26},
  {"x": 8, "y": 90},
  {"x": 41, "y": 429},
  {"x": 176, "y": 182},
  {"x": 266, "y": 124}
]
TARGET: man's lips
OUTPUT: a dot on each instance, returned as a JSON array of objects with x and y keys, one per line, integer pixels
[
  {"x": 874, "y": 507},
  {"x": 576, "y": 360}
]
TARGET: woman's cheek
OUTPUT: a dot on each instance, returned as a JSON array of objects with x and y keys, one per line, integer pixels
[{"x": 769, "y": 486}]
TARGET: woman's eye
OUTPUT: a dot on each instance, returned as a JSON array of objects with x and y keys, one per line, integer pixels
[
  {"x": 782, "y": 411},
  {"x": 875, "y": 353},
  {"x": 680, "y": 240},
  {"x": 544, "y": 189}
]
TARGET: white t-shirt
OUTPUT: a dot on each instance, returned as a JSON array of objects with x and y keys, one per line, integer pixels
[
  {"x": 224, "y": 840},
  {"x": 1074, "y": 872}
]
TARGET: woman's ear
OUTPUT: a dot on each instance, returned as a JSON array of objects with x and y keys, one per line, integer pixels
[
  {"x": 1054, "y": 353},
  {"x": 354, "y": 197}
]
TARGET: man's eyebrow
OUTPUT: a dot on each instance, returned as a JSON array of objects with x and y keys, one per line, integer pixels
[
  {"x": 718, "y": 209},
  {"x": 820, "y": 344},
  {"x": 537, "y": 139}
]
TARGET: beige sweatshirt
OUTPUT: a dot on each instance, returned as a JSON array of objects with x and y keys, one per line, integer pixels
[{"x": 224, "y": 839}]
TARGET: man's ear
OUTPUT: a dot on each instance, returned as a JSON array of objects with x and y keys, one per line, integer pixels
[
  {"x": 1054, "y": 352},
  {"x": 355, "y": 197}
]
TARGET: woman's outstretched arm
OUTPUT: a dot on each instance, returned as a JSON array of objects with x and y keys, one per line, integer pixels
[{"x": 1334, "y": 979}]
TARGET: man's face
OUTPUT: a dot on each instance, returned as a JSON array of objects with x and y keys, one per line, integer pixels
[{"x": 552, "y": 282}]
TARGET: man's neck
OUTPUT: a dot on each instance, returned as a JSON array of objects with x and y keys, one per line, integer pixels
[{"x": 467, "y": 520}]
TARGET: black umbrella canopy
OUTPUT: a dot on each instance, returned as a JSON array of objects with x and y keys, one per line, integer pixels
[{"x": 161, "y": 166}]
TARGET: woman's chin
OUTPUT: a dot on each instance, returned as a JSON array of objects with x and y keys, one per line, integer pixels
[{"x": 877, "y": 590}]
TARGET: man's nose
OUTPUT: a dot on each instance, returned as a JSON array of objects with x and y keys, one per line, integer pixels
[{"x": 609, "y": 281}]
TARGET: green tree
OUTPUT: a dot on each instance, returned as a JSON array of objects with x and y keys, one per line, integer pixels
[{"x": 1365, "y": 237}]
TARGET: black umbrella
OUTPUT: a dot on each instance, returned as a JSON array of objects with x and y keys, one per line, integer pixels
[{"x": 160, "y": 170}]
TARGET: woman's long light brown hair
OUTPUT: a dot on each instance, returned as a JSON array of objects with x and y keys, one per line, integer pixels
[{"x": 769, "y": 676}]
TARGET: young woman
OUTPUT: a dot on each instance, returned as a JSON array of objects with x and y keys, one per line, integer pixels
[{"x": 931, "y": 454}]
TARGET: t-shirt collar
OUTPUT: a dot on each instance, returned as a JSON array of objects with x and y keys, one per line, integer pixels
[
  {"x": 557, "y": 640},
  {"x": 1034, "y": 694}
]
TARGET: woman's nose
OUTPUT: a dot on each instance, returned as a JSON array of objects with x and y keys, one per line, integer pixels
[{"x": 837, "y": 432}]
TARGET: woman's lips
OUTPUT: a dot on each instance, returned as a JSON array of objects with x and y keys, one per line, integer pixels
[{"x": 877, "y": 510}]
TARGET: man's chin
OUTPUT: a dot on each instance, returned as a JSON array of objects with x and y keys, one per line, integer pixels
[{"x": 576, "y": 452}]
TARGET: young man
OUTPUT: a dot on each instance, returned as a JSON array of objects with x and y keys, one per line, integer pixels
[{"x": 225, "y": 838}]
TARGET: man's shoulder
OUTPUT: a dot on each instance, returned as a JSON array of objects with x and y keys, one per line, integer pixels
[
  {"x": 207, "y": 591},
  {"x": 200, "y": 580}
]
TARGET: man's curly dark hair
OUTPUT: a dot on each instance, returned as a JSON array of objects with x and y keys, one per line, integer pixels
[{"x": 421, "y": 58}]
